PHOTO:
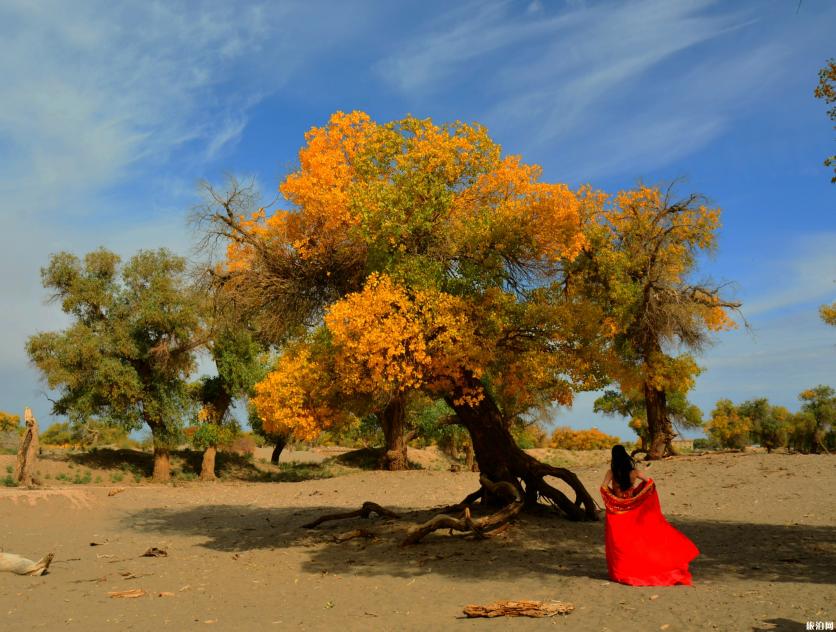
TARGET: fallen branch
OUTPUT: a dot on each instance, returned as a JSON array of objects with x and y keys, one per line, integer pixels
[
  {"x": 524, "y": 608},
  {"x": 367, "y": 509},
  {"x": 21, "y": 566},
  {"x": 465, "y": 523}
]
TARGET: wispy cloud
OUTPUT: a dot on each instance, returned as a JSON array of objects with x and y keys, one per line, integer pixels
[
  {"x": 805, "y": 274},
  {"x": 112, "y": 111},
  {"x": 611, "y": 87}
]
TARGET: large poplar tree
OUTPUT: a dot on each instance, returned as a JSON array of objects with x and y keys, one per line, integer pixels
[{"x": 418, "y": 257}]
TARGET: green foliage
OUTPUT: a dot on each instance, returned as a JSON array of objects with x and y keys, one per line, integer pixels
[
  {"x": 57, "y": 434},
  {"x": 683, "y": 414},
  {"x": 125, "y": 357},
  {"x": 820, "y": 404},
  {"x": 90, "y": 434},
  {"x": 529, "y": 435},
  {"x": 214, "y": 435}
]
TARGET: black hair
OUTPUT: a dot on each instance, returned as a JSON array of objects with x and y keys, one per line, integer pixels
[{"x": 621, "y": 466}]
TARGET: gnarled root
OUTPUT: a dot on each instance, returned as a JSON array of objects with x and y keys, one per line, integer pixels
[
  {"x": 367, "y": 509},
  {"x": 583, "y": 508},
  {"x": 465, "y": 523}
]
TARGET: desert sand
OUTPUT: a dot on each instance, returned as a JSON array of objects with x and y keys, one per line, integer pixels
[{"x": 238, "y": 559}]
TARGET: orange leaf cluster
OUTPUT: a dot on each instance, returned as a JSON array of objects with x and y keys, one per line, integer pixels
[
  {"x": 387, "y": 338},
  {"x": 290, "y": 399}
]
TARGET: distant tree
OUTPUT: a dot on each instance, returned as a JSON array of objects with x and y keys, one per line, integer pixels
[
  {"x": 727, "y": 428},
  {"x": 826, "y": 90},
  {"x": 683, "y": 414},
  {"x": 9, "y": 422},
  {"x": 240, "y": 362},
  {"x": 278, "y": 439},
  {"x": 642, "y": 250},
  {"x": 593, "y": 439},
  {"x": 769, "y": 424},
  {"x": 820, "y": 403},
  {"x": 58, "y": 434},
  {"x": 126, "y": 356},
  {"x": 801, "y": 432},
  {"x": 773, "y": 431}
]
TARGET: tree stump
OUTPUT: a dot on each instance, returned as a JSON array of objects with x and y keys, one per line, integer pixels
[{"x": 27, "y": 453}]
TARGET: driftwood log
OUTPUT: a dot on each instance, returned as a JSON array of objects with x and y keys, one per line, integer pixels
[
  {"x": 18, "y": 565},
  {"x": 523, "y": 608},
  {"x": 27, "y": 453}
]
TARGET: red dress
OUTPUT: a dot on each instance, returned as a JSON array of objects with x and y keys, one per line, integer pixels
[{"x": 643, "y": 549}]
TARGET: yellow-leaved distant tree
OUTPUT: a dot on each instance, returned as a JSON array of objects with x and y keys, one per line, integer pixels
[{"x": 638, "y": 262}]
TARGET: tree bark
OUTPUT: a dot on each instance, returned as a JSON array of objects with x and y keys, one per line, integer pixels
[
  {"x": 500, "y": 459},
  {"x": 659, "y": 426},
  {"x": 281, "y": 442},
  {"x": 162, "y": 465},
  {"x": 27, "y": 453},
  {"x": 207, "y": 467},
  {"x": 392, "y": 419}
]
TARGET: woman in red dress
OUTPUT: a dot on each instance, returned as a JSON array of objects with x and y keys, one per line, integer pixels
[{"x": 643, "y": 549}]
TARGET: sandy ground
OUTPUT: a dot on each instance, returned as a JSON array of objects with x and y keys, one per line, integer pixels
[{"x": 238, "y": 558}]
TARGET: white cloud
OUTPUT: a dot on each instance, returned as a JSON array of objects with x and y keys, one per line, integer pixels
[
  {"x": 603, "y": 89},
  {"x": 111, "y": 112}
]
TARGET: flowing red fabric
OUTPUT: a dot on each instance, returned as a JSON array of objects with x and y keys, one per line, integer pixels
[{"x": 643, "y": 549}]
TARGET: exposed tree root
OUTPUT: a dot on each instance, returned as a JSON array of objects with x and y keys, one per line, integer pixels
[
  {"x": 350, "y": 535},
  {"x": 364, "y": 512},
  {"x": 465, "y": 523}
]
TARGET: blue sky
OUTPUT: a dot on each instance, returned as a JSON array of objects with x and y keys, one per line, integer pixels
[{"x": 112, "y": 112}]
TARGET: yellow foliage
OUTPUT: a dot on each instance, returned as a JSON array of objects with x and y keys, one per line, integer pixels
[
  {"x": 593, "y": 439},
  {"x": 388, "y": 339},
  {"x": 290, "y": 398},
  {"x": 8, "y": 421},
  {"x": 727, "y": 427}
]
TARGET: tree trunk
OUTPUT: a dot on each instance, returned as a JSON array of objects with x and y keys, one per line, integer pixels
[
  {"x": 281, "y": 442},
  {"x": 392, "y": 418},
  {"x": 659, "y": 426},
  {"x": 500, "y": 459},
  {"x": 470, "y": 458},
  {"x": 207, "y": 468},
  {"x": 27, "y": 453},
  {"x": 162, "y": 465}
]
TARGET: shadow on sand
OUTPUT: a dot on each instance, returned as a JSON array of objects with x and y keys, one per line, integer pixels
[{"x": 534, "y": 544}]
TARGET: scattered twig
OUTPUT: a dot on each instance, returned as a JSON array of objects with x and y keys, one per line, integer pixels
[{"x": 133, "y": 593}]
